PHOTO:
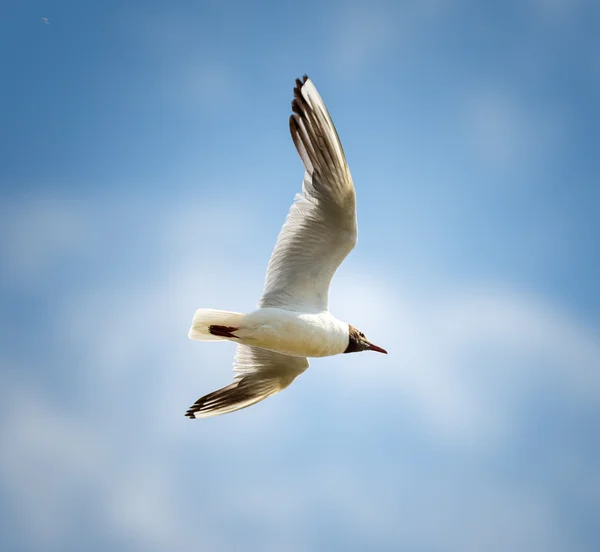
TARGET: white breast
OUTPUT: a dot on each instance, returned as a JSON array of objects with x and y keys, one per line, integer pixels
[{"x": 294, "y": 333}]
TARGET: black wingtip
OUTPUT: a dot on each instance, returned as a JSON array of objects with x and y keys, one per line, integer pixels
[
  {"x": 190, "y": 414},
  {"x": 299, "y": 84},
  {"x": 296, "y": 106}
]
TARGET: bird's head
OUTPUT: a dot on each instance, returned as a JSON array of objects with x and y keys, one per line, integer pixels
[{"x": 357, "y": 342}]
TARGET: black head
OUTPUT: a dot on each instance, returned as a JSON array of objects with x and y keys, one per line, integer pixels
[{"x": 358, "y": 342}]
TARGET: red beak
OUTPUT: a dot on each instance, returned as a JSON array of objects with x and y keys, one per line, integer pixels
[{"x": 376, "y": 348}]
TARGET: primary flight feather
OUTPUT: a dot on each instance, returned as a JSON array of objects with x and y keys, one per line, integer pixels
[{"x": 293, "y": 321}]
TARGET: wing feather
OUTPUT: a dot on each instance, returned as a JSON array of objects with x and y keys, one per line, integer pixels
[
  {"x": 258, "y": 374},
  {"x": 320, "y": 229}
]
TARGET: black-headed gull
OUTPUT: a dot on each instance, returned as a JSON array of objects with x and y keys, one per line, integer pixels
[{"x": 293, "y": 321}]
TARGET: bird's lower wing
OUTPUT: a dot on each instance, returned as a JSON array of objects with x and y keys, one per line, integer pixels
[
  {"x": 240, "y": 394},
  {"x": 259, "y": 374}
]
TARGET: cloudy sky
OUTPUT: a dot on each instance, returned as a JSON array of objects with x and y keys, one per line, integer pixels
[{"x": 146, "y": 168}]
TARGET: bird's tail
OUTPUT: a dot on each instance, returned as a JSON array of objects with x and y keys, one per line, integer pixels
[{"x": 214, "y": 325}]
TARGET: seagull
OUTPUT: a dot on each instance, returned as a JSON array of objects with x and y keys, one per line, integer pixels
[
  {"x": 46, "y": 21},
  {"x": 293, "y": 321}
]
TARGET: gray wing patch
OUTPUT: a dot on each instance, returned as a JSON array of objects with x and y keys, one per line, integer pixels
[{"x": 259, "y": 374}]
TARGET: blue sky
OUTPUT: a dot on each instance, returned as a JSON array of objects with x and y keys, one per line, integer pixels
[{"x": 146, "y": 168}]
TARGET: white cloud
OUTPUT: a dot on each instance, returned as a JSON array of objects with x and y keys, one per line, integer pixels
[
  {"x": 360, "y": 33},
  {"x": 47, "y": 461},
  {"x": 144, "y": 508},
  {"x": 364, "y": 33},
  {"x": 461, "y": 358},
  {"x": 504, "y": 131},
  {"x": 210, "y": 84},
  {"x": 189, "y": 67},
  {"x": 35, "y": 237},
  {"x": 55, "y": 461}
]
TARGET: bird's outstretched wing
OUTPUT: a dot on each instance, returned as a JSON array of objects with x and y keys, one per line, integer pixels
[
  {"x": 320, "y": 229},
  {"x": 259, "y": 373}
]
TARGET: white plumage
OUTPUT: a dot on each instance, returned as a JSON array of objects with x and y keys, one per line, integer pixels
[{"x": 293, "y": 321}]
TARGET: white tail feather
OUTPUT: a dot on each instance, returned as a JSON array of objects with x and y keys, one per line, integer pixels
[{"x": 203, "y": 318}]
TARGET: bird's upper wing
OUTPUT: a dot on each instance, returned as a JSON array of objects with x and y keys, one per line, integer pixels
[
  {"x": 320, "y": 229},
  {"x": 259, "y": 373}
]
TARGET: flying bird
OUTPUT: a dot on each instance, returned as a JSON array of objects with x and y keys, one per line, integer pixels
[
  {"x": 293, "y": 321},
  {"x": 46, "y": 21}
]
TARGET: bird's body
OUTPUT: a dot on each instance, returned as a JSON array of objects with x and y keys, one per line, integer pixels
[
  {"x": 293, "y": 321},
  {"x": 291, "y": 332}
]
